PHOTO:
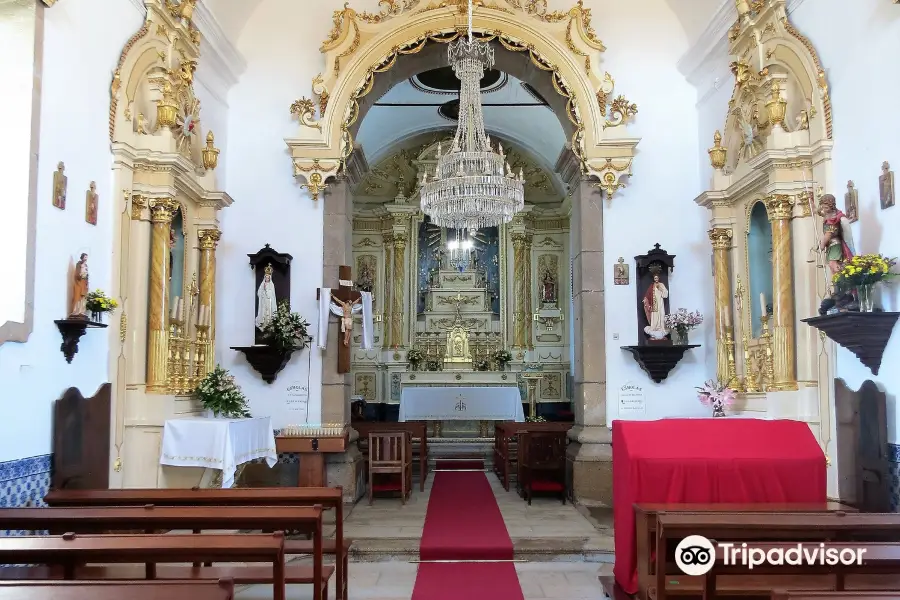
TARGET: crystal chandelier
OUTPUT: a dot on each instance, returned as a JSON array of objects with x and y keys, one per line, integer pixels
[
  {"x": 472, "y": 186},
  {"x": 460, "y": 251}
]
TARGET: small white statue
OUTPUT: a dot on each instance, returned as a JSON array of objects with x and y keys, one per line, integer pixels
[
  {"x": 655, "y": 309},
  {"x": 267, "y": 302}
]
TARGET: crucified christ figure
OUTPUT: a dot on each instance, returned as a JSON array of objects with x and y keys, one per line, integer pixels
[{"x": 346, "y": 317}]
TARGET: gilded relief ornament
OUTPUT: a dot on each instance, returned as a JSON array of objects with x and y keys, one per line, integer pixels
[
  {"x": 886, "y": 186},
  {"x": 851, "y": 202},
  {"x": 91, "y": 201},
  {"x": 60, "y": 182},
  {"x": 620, "y": 272}
]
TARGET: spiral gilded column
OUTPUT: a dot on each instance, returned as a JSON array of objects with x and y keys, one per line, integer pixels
[
  {"x": 161, "y": 212},
  {"x": 397, "y": 293},
  {"x": 387, "y": 321},
  {"x": 520, "y": 277},
  {"x": 780, "y": 208},
  {"x": 529, "y": 294},
  {"x": 720, "y": 238},
  {"x": 209, "y": 239}
]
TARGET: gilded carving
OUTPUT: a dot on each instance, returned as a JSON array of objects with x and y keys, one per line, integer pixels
[
  {"x": 162, "y": 209},
  {"x": 720, "y": 238},
  {"x": 780, "y": 207},
  {"x": 138, "y": 204},
  {"x": 209, "y": 238}
]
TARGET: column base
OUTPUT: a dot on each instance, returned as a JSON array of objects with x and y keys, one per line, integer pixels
[
  {"x": 346, "y": 470},
  {"x": 589, "y": 465}
]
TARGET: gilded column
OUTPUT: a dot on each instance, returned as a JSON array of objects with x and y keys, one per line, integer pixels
[
  {"x": 387, "y": 321},
  {"x": 161, "y": 212},
  {"x": 529, "y": 295},
  {"x": 397, "y": 293},
  {"x": 521, "y": 287},
  {"x": 209, "y": 238},
  {"x": 780, "y": 208},
  {"x": 724, "y": 319}
]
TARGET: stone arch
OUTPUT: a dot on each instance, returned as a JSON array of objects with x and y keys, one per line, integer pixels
[{"x": 362, "y": 48}]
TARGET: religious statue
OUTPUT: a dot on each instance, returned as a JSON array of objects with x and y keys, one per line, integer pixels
[
  {"x": 366, "y": 281},
  {"x": 80, "y": 287},
  {"x": 59, "y": 186},
  {"x": 851, "y": 202},
  {"x": 620, "y": 272},
  {"x": 141, "y": 124},
  {"x": 837, "y": 238},
  {"x": 655, "y": 309},
  {"x": 346, "y": 317},
  {"x": 548, "y": 288},
  {"x": 90, "y": 204},
  {"x": 267, "y": 301},
  {"x": 886, "y": 186}
]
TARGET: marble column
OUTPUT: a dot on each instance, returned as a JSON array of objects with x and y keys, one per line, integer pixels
[
  {"x": 721, "y": 239},
  {"x": 780, "y": 208},
  {"x": 161, "y": 212},
  {"x": 529, "y": 294},
  {"x": 387, "y": 308},
  {"x": 399, "y": 277},
  {"x": 521, "y": 285}
]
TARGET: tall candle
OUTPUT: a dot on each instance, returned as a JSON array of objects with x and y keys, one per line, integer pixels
[
  {"x": 181, "y": 309},
  {"x": 201, "y": 315},
  {"x": 175, "y": 309},
  {"x": 762, "y": 304}
]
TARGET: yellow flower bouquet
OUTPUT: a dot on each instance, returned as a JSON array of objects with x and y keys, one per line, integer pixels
[
  {"x": 97, "y": 302},
  {"x": 864, "y": 270}
]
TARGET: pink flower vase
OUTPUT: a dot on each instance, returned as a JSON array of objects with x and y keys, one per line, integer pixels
[{"x": 718, "y": 409}]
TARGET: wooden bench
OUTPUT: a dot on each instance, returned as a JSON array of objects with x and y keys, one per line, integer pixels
[
  {"x": 327, "y": 497},
  {"x": 418, "y": 430},
  {"x": 763, "y": 527},
  {"x": 808, "y": 595},
  {"x": 505, "y": 449},
  {"x": 222, "y": 589},
  {"x": 881, "y": 558},
  {"x": 645, "y": 526},
  {"x": 70, "y": 552}
]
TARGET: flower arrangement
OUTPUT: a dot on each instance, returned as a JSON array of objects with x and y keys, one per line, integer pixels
[
  {"x": 481, "y": 365},
  {"x": 287, "y": 330},
  {"x": 98, "y": 302},
  {"x": 535, "y": 419},
  {"x": 414, "y": 356},
  {"x": 501, "y": 357},
  {"x": 432, "y": 365},
  {"x": 717, "y": 396},
  {"x": 219, "y": 393},
  {"x": 864, "y": 269},
  {"x": 681, "y": 321}
]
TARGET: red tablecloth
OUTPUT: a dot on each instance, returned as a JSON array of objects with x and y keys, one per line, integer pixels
[{"x": 708, "y": 460}]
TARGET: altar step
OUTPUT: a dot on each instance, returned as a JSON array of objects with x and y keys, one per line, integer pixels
[{"x": 461, "y": 449}]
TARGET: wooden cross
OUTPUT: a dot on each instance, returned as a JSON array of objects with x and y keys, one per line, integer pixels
[{"x": 346, "y": 294}]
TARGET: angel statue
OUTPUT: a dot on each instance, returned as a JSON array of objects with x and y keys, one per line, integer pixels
[{"x": 837, "y": 244}]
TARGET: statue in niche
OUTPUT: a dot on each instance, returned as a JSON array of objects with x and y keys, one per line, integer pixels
[
  {"x": 90, "y": 204},
  {"x": 80, "y": 287},
  {"x": 59, "y": 186},
  {"x": 886, "y": 185},
  {"x": 267, "y": 302},
  {"x": 655, "y": 309},
  {"x": 548, "y": 288}
]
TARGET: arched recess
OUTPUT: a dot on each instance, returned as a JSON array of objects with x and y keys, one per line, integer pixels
[
  {"x": 364, "y": 48},
  {"x": 164, "y": 163},
  {"x": 775, "y": 147}
]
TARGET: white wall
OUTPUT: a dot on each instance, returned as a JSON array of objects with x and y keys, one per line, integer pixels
[
  {"x": 864, "y": 90},
  {"x": 82, "y": 42}
]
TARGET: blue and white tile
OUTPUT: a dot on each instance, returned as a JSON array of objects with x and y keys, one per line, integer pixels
[{"x": 24, "y": 482}]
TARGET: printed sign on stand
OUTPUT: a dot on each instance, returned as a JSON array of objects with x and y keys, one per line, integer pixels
[
  {"x": 632, "y": 404},
  {"x": 297, "y": 401}
]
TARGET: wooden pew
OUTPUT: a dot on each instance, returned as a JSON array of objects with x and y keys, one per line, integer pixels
[
  {"x": 879, "y": 558},
  {"x": 222, "y": 589},
  {"x": 69, "y": 552},
  {"x": 645, "y": 526},
  {"x": 418, "y": 430},
  {"x": 762, "y": 526},
  {"x": 505, "y": 450},
  {"x": 808, "y": 595},
  {"x": 327, "y": 497}
]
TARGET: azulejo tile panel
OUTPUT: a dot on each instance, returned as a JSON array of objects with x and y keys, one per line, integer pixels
[{"x": 24, "y": 482}]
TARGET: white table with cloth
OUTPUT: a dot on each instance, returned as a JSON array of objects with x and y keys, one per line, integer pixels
[
  {"x": 461, "y": 403},
  {"x": 222, "y": 444}
]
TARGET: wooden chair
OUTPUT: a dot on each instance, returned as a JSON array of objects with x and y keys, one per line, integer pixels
[
  {"x": 390, "y": 453},
  {"x": 543, "y": 463}
]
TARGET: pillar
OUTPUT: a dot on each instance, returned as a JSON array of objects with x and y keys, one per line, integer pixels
[
  {"x": 724, "y": 319},
  {"x": 135, "y": 247},
  {"x": 388, "y": 242},
  {"x": 529, "y": 294},
  {"x": 521, "y": 286},
  {"x": 209, "y": 238},
  {"x": 161, "y": 212},
  {"x": 780, "y": 208},
  {"x": 399, "y": 280}
]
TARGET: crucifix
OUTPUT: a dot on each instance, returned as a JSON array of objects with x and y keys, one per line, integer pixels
[{"x": 348, "y": 300}]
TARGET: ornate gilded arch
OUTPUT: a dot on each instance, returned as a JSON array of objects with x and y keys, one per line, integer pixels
[{"x": 362, "y": 46}]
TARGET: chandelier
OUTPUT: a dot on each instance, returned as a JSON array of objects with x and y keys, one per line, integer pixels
[
  {"x": 460, "y": 251},
  {"x": 472, "y": 186}
]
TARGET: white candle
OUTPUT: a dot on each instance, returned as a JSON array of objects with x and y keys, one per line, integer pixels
[
  {"x": 762, "y": 304},
  {"x": 175, "y": 308},
  {"x": 208, "y": 321},
  {"x": 201, "y": 318},
  {"x": 181, "y": 309}
]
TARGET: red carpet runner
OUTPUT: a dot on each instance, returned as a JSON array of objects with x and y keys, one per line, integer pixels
[{"x": 463, "y": 522}]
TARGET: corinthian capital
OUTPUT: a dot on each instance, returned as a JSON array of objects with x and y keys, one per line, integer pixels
[
  {"x": 162, "y": 209},
  {"x": 209, "y": 238},
  {"x": 780, "y": 207},
  {"x": 720, "y": 238}
]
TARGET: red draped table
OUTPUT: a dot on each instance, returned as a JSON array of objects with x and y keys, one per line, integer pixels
[{"x": 704, "y": 461}]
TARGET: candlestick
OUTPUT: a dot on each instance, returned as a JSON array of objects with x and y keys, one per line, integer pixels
[
  {"x": 762, "y": 304},
  {"x": 175, "y": 309}
]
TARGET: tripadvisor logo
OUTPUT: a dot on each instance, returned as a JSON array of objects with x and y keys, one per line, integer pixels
[{"x": 695, "y": 555}]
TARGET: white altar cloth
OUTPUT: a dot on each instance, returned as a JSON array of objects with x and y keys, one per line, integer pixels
[
  {"x": 217, "y": 444},
  {"x": 461, "y": 403}
]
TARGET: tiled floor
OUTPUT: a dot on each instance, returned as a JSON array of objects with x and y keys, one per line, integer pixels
[{"x": 563, "y": 550}]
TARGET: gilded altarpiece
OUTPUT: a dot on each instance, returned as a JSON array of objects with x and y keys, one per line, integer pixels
[
  {"x": 166, "y": 234},
  {"x": 770, "y": 163}
]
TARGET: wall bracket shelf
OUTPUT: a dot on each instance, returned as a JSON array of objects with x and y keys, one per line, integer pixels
[
  {"x": 72, "y": 330},
  {"x": 658, "y": 360},
  {"x": 865, "y": 334},
  {"x": 266, "y": 360}
]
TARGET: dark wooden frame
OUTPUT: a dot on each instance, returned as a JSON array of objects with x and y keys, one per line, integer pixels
[{"x": 81, "y": 434}]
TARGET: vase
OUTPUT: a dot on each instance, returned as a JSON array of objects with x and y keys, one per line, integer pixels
[
  {"x": 679, "y": 338},
  {"x": 96, "y": 316},
  {"x": 718, "y": 411},
  {"x": 865, "y": 295}
]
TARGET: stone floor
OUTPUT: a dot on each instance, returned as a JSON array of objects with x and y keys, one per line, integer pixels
[{"x": 562, "y": 548}]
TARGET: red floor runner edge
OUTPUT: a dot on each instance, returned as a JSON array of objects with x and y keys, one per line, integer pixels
[{"x": 463, "y": 522}]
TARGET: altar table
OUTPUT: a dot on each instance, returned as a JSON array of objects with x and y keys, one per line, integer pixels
[
  {"x": 705, "y": 461},
  {"x": 461, "y": 403},
  {"x": 217, "y": 444}
]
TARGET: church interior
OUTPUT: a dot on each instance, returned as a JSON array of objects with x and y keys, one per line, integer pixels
[{"x": 433, "y": 299}]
